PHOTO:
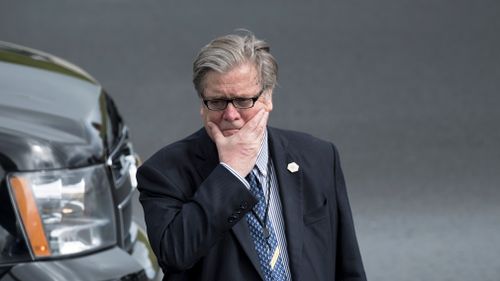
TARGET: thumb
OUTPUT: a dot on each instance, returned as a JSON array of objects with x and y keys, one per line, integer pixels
[{"x": 215, "y": 132}]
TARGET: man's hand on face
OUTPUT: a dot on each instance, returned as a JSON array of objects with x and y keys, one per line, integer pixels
[{"x": 240, "y": 150}]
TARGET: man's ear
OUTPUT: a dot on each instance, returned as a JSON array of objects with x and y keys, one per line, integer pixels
[{"x": 268, "y": 100}]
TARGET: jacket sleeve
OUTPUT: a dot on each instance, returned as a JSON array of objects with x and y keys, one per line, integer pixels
[
  {"x": 182, "y": 228},
  {"x": 349, "y": 266}
]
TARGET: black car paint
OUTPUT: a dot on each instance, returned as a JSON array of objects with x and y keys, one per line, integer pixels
[
  {"x": 63, "y": 115},
  {"x": 54, "y": 115}
]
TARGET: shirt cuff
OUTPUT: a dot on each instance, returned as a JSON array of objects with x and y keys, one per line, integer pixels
[{"x": 242, "y": 179}]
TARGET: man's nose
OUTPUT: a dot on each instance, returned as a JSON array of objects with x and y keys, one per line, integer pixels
[{"x": 231, "y": 113}]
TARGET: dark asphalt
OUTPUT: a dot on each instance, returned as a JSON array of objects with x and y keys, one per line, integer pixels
[{"x": 408, "y": 90}]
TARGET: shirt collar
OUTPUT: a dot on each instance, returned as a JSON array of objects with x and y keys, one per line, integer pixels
[{"x": 263, "y": 156}]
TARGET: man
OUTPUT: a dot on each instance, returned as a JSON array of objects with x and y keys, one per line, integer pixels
[{"x": 238, "y": 200}]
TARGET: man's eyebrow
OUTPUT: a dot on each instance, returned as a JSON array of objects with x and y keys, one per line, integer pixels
[
  {"x": 220, "y": 97},
  {"x": 230, "y": 97}
]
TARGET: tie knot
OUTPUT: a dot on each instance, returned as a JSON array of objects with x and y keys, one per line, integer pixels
[
  {"x": 255, "y": 186},
  {"x": 252, "y": 178}
]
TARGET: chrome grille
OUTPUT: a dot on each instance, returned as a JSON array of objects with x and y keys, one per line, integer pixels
[{"x": 123, "y": 165}]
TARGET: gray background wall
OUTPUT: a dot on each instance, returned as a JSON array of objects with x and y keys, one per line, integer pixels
[{"x": 408, "y": 90}]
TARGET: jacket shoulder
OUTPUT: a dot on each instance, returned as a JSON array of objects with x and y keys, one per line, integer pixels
[{"x": 299, "y": 138}]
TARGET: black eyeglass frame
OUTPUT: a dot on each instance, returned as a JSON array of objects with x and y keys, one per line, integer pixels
[{"x": 227, "y": 101}]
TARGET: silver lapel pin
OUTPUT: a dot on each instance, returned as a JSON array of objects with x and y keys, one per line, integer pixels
[{"x": 292, "y": 167}]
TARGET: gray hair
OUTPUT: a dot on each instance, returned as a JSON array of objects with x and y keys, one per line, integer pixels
[{"x": 226, "y": 52}]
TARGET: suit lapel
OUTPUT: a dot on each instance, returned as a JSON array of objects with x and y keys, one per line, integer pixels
[
  {"x": 242, "y": 233},
  {"x": 207, "y": 152},
  {"x": 290, "y": 190}
]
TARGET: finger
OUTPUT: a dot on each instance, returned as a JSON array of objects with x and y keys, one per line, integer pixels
[
  {"x": 264, "y": 119},
  {"x": 261, "y": 123},
  {"x": 261, "y": 127},
  {"x": 253, "y": 123}
]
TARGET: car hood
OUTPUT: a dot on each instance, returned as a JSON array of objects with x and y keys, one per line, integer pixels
[{"x": 52, "y": 114}]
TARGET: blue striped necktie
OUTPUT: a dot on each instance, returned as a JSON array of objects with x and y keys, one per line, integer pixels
[{"x": 270, "y": 257}]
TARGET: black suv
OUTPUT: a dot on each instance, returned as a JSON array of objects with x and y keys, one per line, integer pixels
[{"x": 67, "y": 176}]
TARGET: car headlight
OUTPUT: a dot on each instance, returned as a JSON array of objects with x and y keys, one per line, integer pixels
[{"x": 64, "y": 211}]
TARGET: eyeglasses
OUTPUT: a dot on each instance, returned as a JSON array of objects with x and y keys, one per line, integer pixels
[{"x": 241, "y": 103}]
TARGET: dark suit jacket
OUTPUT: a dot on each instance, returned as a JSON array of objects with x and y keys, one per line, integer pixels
[{"x": 194, "y": 208}]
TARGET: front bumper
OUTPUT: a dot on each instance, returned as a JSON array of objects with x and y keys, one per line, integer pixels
[{"x": 108, "y": 265}]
